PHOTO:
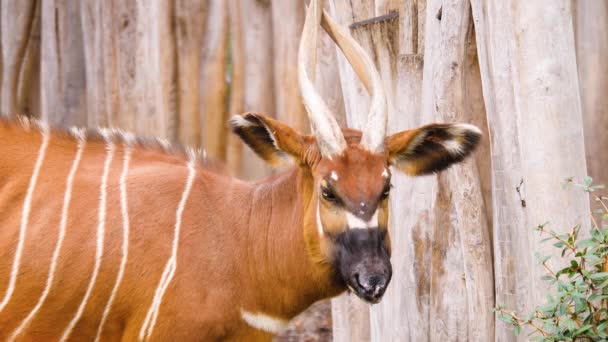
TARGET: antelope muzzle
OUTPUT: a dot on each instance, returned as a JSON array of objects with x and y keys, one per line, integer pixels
[{"x": 363, "y": 262}]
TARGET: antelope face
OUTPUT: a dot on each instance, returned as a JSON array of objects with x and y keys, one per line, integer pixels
[
  {"x": 352, "y": 191},
  {"x": 347, "y": 172}
]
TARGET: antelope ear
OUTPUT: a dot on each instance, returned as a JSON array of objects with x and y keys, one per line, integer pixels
[
  {"x": 270, "y": 139},
  {"x": 431, "y": 148}
]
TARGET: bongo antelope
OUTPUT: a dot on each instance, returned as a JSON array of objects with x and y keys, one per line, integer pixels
[{"x": 104, "y": 237}]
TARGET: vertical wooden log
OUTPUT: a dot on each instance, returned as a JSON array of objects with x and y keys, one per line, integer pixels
[
  {"x": 591, "y": 36},
  {"x": 256, "y": 23},
  {"x": 122, "y": 58},
  {"x": 234, "y": 147},
  {"x": 476, "y": 111},
  {"x": 17, "y": 20},
  {"x": 462, "y": 288},
  {"x": 189, "y": 26},
  {"x": 130, "y": 53},
  {"x": 287, "y": 24},
  {"x": 214, "y": 85},
  {"x": 155, "y": 88},
  {"x": 28, "y": 101},
  {"x": 97, "y": 30},
  {"x": 327, "y": 79},
  {"x": 529, "y": 75},
  {"x": 63, "y": 81}
]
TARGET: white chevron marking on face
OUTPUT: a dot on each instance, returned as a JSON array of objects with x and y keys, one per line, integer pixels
[{"x": 356, "y": 222}]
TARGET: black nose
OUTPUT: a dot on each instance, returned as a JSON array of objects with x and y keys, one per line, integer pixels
[{"x": 372, "y": 286}]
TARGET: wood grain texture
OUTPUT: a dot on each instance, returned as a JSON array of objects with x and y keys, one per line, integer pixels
[
  {"x": 234, "y": 146},
  {"x": 213, "y": 83},
  {"x": 462, "y": 286},
  {"x": 17, "y": 20},
  {"x": 532, "y": 100},
  {"x": 155, "y": 64},
  {"x": 62, "y": 64},
  {"x": 189, "y": 23},
  {"x": 256, "y": 23},
  {"x": 287, "y": 24},
  {"x": 591, "y": 37},
  {"x": 100, "y": 67}
]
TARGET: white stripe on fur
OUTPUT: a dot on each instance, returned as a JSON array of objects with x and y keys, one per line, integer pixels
[
  {"x": 150, "y": 321},
  {"x": 25, "y": 215},
  {"x": 263, "y": 322},
  {"x": 100, "y": 232},
  {"x": 125, "y": 238},
  {"x": 62, "y": 228}
]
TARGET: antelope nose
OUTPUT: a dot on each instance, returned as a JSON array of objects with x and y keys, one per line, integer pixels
[{"x": 373, "y": 285}]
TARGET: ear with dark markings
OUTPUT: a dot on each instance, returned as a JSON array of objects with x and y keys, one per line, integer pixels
[
  {"x": 270, "y": 139},
  {"x": 431, "y": 148}
]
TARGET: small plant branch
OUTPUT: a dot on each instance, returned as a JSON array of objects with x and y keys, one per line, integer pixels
[
  {"x": 549, "y": 269},
  {"x": 520, "y": 321},
  {"x": 600, "y": 199},
  {"x": 576, "y": 308},
  {"x": 572, "y": 247}
]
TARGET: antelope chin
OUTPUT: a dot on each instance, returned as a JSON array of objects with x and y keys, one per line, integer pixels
[{"x": 370, "y": 297}]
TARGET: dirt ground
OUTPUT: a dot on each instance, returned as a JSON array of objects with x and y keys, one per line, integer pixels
[{"x": 313, "y": 325}]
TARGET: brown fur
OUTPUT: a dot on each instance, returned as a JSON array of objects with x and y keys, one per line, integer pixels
[{"x": 254, "y": 246}]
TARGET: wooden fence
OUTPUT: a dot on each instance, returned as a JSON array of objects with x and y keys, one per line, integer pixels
[{"x": 533, "y": 74}]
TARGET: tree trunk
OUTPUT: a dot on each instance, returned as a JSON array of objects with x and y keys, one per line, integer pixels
[
  {"x": 19, "y": 32},
  {"x": 591, "y": 36},
  {"x": 530, "y": 86},
  {"x": 462, "y": 287},
  {"x": 63, "y": 82},
  {"x": 214, "y": 86},
  {"x": 189, "y": 25},
  {"x": 287, "y": 24},
  {"x": 258, "y": 79}
]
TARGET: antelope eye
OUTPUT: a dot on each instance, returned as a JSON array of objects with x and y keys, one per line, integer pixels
[{"x": 328, "y": 195}]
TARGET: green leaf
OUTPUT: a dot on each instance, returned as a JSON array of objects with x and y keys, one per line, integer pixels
[
  {"x": 506, "y": 318},
  {"x": 598, "y": 276},
  {"x": 597, "y": 297},
  {"x": 585, "y": 243},
  {"x": 516, "y": 330},
  {"x": 559, "y": 244},
  {"x": 548, "y": 277},
  {"x": 582, "y": 329},
  {"x": 561, "y": 309},
  {"x": 547, "y": 239},
  {"x": 587, "y": 180},
  {"x": 541, "y": 258},
  {"x": 603, "y": 284}
]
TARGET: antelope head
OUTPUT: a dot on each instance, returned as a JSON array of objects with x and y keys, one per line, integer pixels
[{"x": 347, "y": 173}]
